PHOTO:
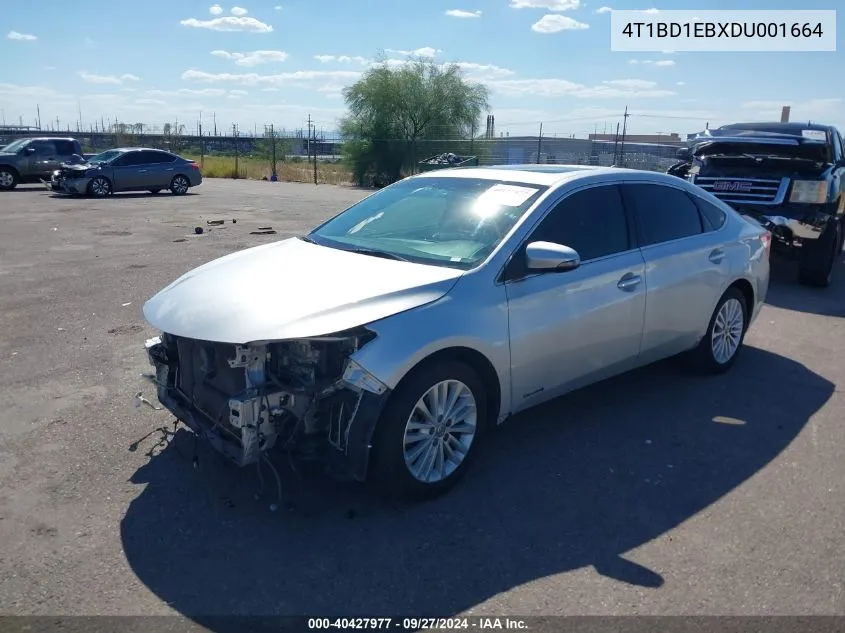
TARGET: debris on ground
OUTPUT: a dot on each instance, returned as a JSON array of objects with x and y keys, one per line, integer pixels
[
  {"x": 214, "y": 222},
  {"x": 128, "y": 303},
  {"x": 447, "y": 158},
  {"x": 198, "y": 230},
  {"x": 140, "y": 399},
  {"x": 263, "y": 232}
]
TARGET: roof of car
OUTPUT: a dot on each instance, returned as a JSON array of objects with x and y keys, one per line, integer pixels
[
  {"x": 139, "y": 149},
  {"x": 545, "y": 175}
]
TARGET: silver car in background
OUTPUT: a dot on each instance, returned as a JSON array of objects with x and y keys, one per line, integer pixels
[
  {"x": 394, "y": 335},
  {"x": 127, "y": 169}
]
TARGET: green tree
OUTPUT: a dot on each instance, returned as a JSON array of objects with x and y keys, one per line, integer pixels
[{"x": 396, "y": 111}]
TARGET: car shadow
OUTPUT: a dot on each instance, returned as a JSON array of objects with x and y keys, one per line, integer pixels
[
  {"x": 125, "y": 194},
  {"x": 785, "y": 291},
  {"x": 575, "y": 483}
]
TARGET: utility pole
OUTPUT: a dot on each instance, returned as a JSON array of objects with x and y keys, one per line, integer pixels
[
  {"x": 273, "y": 175},
  {"x": 214, "y": 118},
  {"x": 315, "y": 149},
  {"x": 539, "y": 143},
  {"x": 202, "y": 142},
  {"x": 79, "y": 112},
  {"x": 38, "y": 110},
  {"x": 615, "y": 142},
  {"x": 235, "y": 135},
  {"x": 308, "y": 138},
  {"x": 624, "y": 130}
]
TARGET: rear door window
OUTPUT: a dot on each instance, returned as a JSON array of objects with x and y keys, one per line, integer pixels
[{"x": 664, "y": 213}]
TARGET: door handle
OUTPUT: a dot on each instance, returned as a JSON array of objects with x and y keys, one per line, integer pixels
[
  {"x": 717, "y": 255},
  {"x": 629, "y": 282}
]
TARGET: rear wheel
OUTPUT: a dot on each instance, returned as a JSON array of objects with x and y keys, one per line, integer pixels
[
  {"x": 819, "y": 258},
  {"x": 100, "y": 187},
  {"x": 429, "y": 431},
  {"x": 8, "y": 179},
  {"x": 717, "y": 351},
  {"x": 179, "y": 185}
]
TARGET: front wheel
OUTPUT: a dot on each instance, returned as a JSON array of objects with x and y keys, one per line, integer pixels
[
  {"x": 717, "y": 351},
  {"x": 8, "y": 179},
  {"x": 179, "y": 185},
  {"x": 100, "y": 187},
  {"x": 429, "y": 431}
]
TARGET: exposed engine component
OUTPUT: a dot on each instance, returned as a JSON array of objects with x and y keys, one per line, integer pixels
[{"x": 247, "y": 399}]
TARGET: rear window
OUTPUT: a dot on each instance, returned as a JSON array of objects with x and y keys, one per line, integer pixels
[{"x": 714, "y": 218}]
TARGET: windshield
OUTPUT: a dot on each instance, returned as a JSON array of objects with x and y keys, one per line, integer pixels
[
  {"x": 454, "y": 222},
  {"x": 16, "y": 146},
  {"x": 105, "y": 157}
]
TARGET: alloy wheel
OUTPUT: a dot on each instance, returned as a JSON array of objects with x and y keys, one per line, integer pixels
[
  {"x": 727, "y": 331},
  {"x": 440, "y": 431}
]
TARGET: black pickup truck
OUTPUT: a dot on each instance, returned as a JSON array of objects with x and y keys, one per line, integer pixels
[{"x": 787, "y": 176}]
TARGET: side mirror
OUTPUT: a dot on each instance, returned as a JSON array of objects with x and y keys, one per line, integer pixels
[
  {"x": 684, "y": 153},
  {"x": 29, "y": 151},
  {"x": 551, "y": 257}
]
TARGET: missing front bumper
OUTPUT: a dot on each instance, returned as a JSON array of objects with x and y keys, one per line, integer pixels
[{"x": 242, "y": 413}]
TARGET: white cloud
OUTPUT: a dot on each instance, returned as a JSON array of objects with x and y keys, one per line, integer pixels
[
  {"x": 632, "y": 84},
  {"x": 551, "y": 5},
  {"x": 150, "y": 101},
  {"x": 204, "y": 92},
  {"x": 604, "y": 10},
  {"x": 254, "y": 79},
  {"x": 215, "y": 9},
  {"x": 652, "y": 11},
  {"x": 116, "y": 80},
  {"x": 25, "y": 92},
  {"x": 254, "y": 58},
  {"x": 269, "y": 90},
  {"x": 343, "y": 59},
  {"x": 681, "y": 83},
  {"x": 460, "y": 13},
  {"x": 238, "y": 92},
  {"x": 26, "y": 37},
  {"x": 562, "y": 87},
  {"x": 229, "y": 24},
  {"x": 239, "y": 11},
  {"x": 650, "y": 62},
  {"x": 278, "y": 7},
  {"x": 425, "y": 51},
  {"x": 552, "y": 23}
]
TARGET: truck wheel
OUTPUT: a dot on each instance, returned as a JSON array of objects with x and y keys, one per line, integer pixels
[
  {"x": 428, "y": 433},
  {"x": 818, "y": 261},
  {"x": 100, "y": 187},
  {"x": 8, "y": 179}
]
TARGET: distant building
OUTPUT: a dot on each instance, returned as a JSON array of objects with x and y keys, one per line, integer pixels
[{"x": 674, "y": 137}]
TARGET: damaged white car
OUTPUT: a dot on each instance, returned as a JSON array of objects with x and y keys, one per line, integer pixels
[{"x": 393, "y": 335}]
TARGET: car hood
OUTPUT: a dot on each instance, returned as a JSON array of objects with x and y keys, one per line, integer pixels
[
  {"x": 761, "y": 145},
  {"x": 7, "y": 154},
  {"x": 291, "y": 289}
]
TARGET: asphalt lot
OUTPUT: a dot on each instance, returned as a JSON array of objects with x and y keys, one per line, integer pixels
[{"x": 653, "y": 493}]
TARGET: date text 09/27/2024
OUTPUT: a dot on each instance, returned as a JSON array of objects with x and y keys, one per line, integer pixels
[
  {"x": 416, "y": 624},
  {"x": 709, "y": 30}
]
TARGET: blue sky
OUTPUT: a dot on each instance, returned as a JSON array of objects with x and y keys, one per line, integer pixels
[{"x": 266, "y": 61}]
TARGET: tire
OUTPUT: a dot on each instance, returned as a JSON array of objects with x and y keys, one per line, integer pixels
[
  {"x": 99, "y": 187},
  {"x": 154, "y": 191},
  {"x": 8, "y": 179},
  {"x": 724, "y": 324},
  {"x": 817, "y": 263},
  {"x": 179, "y": 185},
  {"x": 390, "y": 472}
]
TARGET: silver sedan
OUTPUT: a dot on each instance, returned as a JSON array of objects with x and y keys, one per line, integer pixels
[{"x": 395, "y": 335}]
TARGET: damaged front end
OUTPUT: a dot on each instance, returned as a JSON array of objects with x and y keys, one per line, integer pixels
[{"x": 306, "y": 395}]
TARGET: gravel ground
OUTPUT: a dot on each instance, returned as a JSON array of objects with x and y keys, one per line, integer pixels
[{"x": 653, "y": 493}]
